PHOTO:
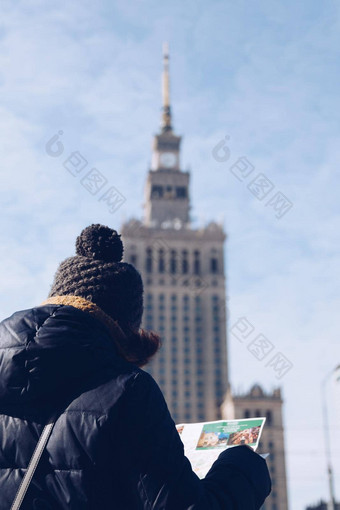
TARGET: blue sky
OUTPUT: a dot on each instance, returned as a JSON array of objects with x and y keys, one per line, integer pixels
[{"x": 264, "y": 73}]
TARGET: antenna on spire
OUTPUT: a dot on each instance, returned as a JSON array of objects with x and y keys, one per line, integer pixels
[{"x": 166, "y": 115}]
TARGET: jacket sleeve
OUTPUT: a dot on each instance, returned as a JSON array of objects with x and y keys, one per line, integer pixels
[{"x": 238, "y": 479}]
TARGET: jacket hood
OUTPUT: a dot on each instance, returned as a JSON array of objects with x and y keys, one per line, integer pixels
[{"x": 49, "y": 347}]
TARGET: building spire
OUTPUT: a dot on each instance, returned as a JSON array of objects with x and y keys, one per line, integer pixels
[{"x": 166, "y": 114}]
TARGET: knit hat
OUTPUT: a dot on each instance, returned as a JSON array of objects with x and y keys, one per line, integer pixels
[{"x": 97, "y": 275}]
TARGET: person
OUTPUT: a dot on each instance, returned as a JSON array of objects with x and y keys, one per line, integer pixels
[{"x": 114, "y": 444}]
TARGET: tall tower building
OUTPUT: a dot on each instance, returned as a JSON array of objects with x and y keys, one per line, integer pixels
[
  {"x": 256, "y": 402},
  {"x": 183, "y": 273}
]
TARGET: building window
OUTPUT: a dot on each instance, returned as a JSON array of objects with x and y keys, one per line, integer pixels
[
  {"x": 185, "y": 263},
  {"x": 181, "y": 192},
  {"x": 197, "y": 262},
  {"x": 148, "y": 262},
  {"x": 214, "y": 265},
  {"x": 269, "y": 416},
  {"x": 157, "y": 191},
  {"x": 169, "y": 192},
  {"x": 173, "y": 262},
  {"x": 133, "y": 259},
  {"x": 247, "y": 413},
  {"x": 161, "y": 262}
]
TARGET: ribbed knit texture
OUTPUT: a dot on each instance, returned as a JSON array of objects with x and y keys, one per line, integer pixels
[{"x": 97, "y": 275}]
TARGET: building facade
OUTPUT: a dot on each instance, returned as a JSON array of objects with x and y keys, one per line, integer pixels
[
  {"x": 183, "y": 274},
  {"x": 185, "y": 302},
  {"x": 258, "y": 403},
  {"x": 322, "y": 505}
]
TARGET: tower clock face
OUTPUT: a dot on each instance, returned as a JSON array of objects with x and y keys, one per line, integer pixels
[{"x": 168, "y": 159}]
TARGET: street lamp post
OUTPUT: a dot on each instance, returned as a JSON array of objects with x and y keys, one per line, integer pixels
[{"x": 331, "y": 503}]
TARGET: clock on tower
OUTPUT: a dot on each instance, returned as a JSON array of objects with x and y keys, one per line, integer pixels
[{"x": 168, "y": 159}]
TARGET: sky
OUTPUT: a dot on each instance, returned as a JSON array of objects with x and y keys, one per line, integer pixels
[{"x": 257, "y": 78}]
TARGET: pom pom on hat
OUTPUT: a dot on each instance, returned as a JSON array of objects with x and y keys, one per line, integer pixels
[{"x": 100, "y": 243}]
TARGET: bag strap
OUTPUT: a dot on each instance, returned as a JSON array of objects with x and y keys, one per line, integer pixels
[{"x": 32, "y": 466}]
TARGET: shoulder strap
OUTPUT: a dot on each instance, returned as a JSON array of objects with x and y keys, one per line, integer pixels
[{"x": 32, "y": 466}]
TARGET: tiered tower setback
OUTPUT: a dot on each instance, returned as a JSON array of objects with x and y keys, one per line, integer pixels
[{"x": 183, "y": 273}]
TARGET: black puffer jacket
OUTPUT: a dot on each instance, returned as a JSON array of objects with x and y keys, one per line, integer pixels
[{"x": 114, "y": 445}]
